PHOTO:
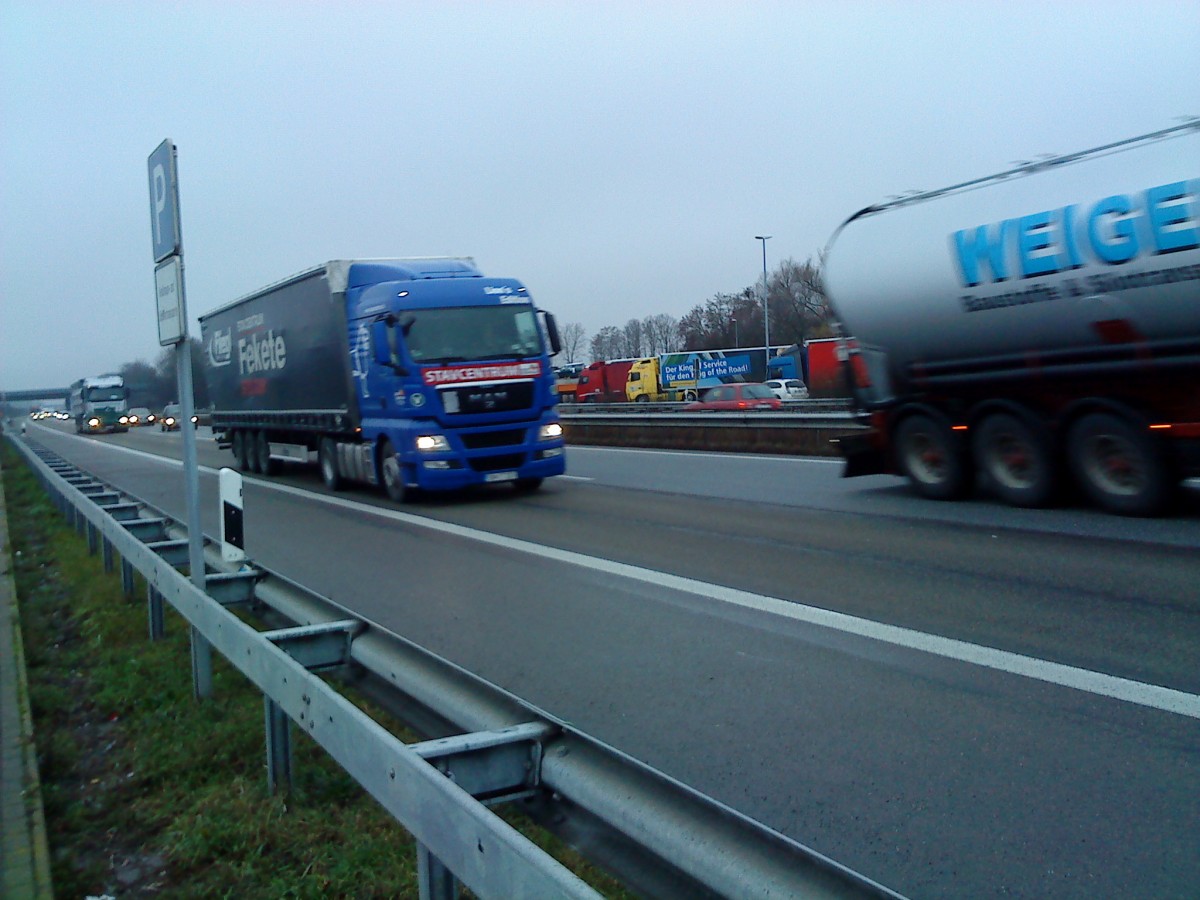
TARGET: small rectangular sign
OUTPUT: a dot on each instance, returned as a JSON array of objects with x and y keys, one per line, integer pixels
[
  {"x": 481, "y": 372},
  {"x": 168, "y": 292},
  {"x": 164, "y": 201}
]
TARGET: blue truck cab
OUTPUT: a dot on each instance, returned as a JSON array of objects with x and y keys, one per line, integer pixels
[{"x": 416, "y": 374}]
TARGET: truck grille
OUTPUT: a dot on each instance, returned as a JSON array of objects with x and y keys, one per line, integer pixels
[
  {"x": 503, "y": 397},
  {"x": 495, "y": 463},
  {"x": 483, "y": 440}
]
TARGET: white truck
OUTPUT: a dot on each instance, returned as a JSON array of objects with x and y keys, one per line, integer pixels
[{"x": 100, "y": 403}]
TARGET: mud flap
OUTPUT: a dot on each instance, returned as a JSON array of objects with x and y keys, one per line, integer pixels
[{"x": 862, "y": 454}]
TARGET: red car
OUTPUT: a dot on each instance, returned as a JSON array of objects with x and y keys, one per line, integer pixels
[{"x": 737, "y": 397}]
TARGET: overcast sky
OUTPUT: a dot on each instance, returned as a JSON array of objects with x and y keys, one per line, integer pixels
[{"x": 617, "y": 157}]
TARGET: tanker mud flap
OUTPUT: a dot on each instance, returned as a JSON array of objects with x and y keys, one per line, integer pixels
[{"x": 862, "y": 454}]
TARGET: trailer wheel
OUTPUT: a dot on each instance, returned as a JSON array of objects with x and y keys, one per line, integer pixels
[
  {"x": 262, "y": 451},
  {"x": 391, "y": 474},
  {"x": 1119, "y": 466},
  {"x": 1017, "y": 458},
  {"x": 642, "y": 398},
  {"x": 932, "y": 457},
  {"x": 327, "y": 458},
  {"x": 241, "y": 451}
]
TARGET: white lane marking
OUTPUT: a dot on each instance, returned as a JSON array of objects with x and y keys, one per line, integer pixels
[{"x": 1137, "y": 692}]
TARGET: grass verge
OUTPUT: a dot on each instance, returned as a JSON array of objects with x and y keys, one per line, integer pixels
[{"x": 148, "y": 792}]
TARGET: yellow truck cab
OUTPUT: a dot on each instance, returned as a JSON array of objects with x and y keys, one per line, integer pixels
[{"x": 644, "y": 384}]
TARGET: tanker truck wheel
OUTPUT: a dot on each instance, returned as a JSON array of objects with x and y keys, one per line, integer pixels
[
  {"x": 327, "y": 458},
  {"x": 932, "y": 457},
  {"x": 391, "y": 474},
  {"x": 1016, "y": 458},
  {"x": 1119, "y": 466}
]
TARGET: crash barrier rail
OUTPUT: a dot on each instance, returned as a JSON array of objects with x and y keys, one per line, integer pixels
[
  {"x": 660, "y": 836},
  {"x": 802, "y": 427},
  {"x": 815, "y": 406}
]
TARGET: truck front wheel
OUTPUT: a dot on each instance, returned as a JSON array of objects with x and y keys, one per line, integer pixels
[
  {"x": 1119, "y": 466},
  {"x": 391, "y": 474},
  {"x": 327, "y": 458},
  {"x": 1017, "y": 460},
  {"x": 934, "y": 460}
]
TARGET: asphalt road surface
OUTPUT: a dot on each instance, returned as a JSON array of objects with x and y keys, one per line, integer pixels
[{"x": 956, "y": 700}]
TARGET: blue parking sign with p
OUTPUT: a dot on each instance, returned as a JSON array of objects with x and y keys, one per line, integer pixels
[{"x": 164, "y": 201}]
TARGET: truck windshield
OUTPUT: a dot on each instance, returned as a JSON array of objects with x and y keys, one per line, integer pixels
[
  {"x": 107, "y": 393},
  {"x": 470, "y": 333}
]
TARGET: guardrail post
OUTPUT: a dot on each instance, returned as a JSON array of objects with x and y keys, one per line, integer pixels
[
  {"x": 201, "y": 666},
  {"x": 279, "y": 747},
  {"x": 154, "y": 613},
  {"x": 93, "y": 538},
  {"x": 127, "y": 577},
  {"x": 434, "y": 880},
  {"x": 107, "y": 547}
]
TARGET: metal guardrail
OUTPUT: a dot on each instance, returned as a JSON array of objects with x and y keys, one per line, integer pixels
[
  {"x": 803, "y": 427},
  {"x": 791, "y": 408},
  {"x": 679, "y": 842}
]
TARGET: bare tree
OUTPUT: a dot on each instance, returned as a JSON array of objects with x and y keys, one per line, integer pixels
[
  {"x": 574, "y": 341},
  {"x": 609, "y": 343},
  {"x": 799, "y": 308},
  {"x": 799, "y": 311},
  {"x": 711, "y": 325},
  {"x": 168, "y": 380},
  {"x": 633, "y": 338}
]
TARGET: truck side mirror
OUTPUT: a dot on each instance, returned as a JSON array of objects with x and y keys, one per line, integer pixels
[
  {"x": 383, "y": 339},
  {"x": 551, "y": 332}
]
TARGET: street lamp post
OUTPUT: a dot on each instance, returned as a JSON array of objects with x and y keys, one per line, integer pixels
[
  {"x": 766, "y": 307},
  {"x": 735, "y": 337}
]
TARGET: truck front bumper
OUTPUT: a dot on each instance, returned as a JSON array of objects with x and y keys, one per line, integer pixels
[{"x": 447, "y": 474}]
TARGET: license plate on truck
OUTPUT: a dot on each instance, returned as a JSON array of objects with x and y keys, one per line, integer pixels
[{"x": 500, "y": 476}]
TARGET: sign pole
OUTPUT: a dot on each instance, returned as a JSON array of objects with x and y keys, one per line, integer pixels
[{"x": 173, "y": 331}]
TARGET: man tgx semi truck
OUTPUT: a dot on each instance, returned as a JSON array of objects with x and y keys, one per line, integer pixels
[
  {"x": 1037, "y": 328},
  {"x": 417, "y": 374},
  {"x": 100, "y": 403}
]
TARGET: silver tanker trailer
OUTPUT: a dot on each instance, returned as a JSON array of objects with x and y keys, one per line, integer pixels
[{"x": 1032, "y": 330}]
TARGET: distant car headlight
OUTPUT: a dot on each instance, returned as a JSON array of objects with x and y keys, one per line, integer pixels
[
  {"x": 150, "y": 418},
  {"x": 195, "y": 420},
  {"x": 432, "y": 443},
  {"x": 551, "y": 431},
  {"x": 124, "y": 420},
  {"x": 133, "y": 420},
  {"x": 93, "y": 422},
  {"x": 170, "y": 420}
]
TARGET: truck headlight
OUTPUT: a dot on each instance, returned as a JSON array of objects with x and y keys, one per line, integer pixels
[
  {"x": 124, "y": 420},
  {"x": 93, "y": 422},
  {"x": 551, "y": 431},
  {"x": 433, "y": 443}
]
